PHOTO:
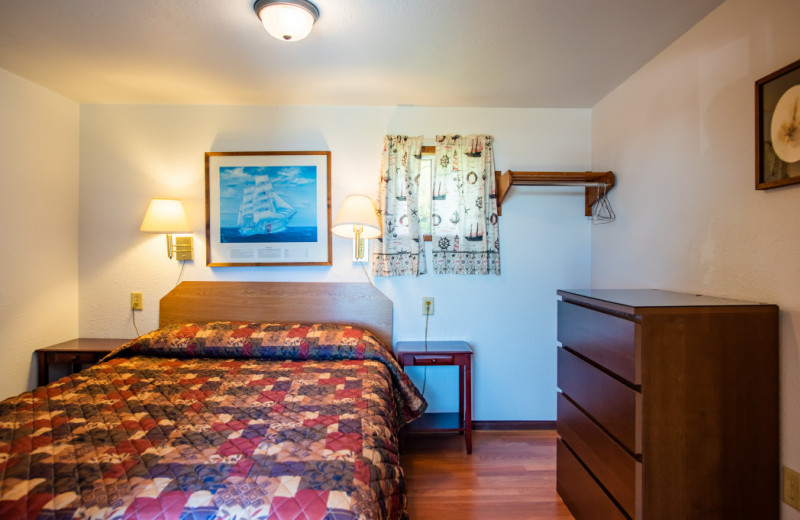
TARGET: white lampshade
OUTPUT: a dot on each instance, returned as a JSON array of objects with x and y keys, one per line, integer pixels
[
  {"x": 288, "y": 20},
  {"x": 165, "y": 216},
  {"x": 357, "y": 211}
]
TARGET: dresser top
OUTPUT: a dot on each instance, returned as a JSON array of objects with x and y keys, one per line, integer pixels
[{"x": 635, "y": 299}]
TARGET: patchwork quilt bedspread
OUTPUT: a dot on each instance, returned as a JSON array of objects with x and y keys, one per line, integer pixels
[{"x": 226, "y": 420}]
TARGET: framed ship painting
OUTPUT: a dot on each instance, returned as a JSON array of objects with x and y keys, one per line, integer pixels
[
  {"x": 268, "y": 208},
  {"x": 778, "y": 128}
]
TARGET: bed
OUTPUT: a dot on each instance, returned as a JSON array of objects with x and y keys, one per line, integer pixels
[{"x": 251, "y": 400}]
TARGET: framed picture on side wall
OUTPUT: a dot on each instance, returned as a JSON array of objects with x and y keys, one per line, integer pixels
[
  {"x": 268, "y": 208},
  {"x": 778, "y": 128}
]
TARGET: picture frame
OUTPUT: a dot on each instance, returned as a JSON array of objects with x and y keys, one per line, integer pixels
[
  {"x": 268, "y": 208},
  {"x": 778, "y": 128}
]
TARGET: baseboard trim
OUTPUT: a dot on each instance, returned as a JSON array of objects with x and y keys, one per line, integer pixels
[{"x": 513, "y": 425}]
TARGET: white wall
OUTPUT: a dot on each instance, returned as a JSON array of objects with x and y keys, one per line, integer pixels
[
  {"x": 132, "y": 153},
  {"x": 680, "y": 136},
  {"x": 38, "y": 226}
]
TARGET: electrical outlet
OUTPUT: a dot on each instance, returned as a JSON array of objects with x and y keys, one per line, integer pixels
[
  {"x": 427, "y": 306},
  {"x": 791, "y": 487},
  {"x": 137, "y": 301}
]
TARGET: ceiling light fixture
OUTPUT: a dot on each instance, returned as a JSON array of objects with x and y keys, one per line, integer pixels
[{"x": 288, "y": 20}]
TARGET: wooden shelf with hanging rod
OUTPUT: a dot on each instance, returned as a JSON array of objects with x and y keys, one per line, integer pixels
[{"x": 595, "y": 182}]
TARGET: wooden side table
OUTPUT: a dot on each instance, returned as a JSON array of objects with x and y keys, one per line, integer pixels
[
  {"x": 75, "y": 352},
  {"x": 443, "y": 353}
]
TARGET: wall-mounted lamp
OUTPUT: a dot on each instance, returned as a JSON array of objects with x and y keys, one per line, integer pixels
[
  {"x": 167, "y": 216},
  {"x": 288, "y": 20},
  {"x": 357, "y": 220}
]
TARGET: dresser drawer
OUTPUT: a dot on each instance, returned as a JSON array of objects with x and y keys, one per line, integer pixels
[
  {"x": 615, "y": 468},
  {"x": 608, "y": 340},
  {"x": 580, "y": 492},
  {"x": 613, "y": 405},
  {"x": 83, "y": 358}
]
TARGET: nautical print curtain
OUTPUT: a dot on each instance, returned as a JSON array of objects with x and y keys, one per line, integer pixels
[
  {"x": 465, "y": 233},
  {"x": 400, "y": 250}
]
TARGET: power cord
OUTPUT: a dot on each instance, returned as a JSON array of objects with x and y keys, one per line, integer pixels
[
  {"x": 367, "y": 274},
  {"x": 425, "y": 369},
  {"x": 133, "y": 317},
  {"x": 427, "y": 316},
  {"x": 183, "y": 264},
  {"x": 133, "y": 312}
]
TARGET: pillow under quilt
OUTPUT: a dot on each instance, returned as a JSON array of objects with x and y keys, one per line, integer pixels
[{"x": 321, "y": 341}]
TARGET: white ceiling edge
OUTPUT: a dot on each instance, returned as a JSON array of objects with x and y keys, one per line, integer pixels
[{"x": 448, "y": 53}]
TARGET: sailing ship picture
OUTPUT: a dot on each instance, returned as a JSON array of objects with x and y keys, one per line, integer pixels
[{"x": 268, "y": 204}]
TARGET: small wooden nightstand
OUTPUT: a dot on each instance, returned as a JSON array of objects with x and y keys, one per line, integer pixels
[
  {"x": 76, "y": 352},
  {"x": 443, "y": 353}
]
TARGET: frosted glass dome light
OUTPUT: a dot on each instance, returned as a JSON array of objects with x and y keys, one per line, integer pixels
[{"x": 287, "y": 20}]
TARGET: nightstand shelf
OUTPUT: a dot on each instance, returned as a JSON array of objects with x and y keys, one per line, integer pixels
[
  {"x": 443, "y": 353},
  {"x": 75, "y": 352},
  {"x": 438, "y": 422}
]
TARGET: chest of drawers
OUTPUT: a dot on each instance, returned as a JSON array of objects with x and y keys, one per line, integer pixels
[{"x": 668, "y": 406}]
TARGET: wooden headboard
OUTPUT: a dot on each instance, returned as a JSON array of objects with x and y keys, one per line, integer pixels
[{"x": 358, "y": 304}]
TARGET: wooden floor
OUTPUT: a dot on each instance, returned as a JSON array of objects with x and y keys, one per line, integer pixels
[{"x": 510, "y": 475}]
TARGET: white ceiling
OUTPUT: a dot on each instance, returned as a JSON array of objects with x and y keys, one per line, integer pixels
[{"x": 488, "y": 53}]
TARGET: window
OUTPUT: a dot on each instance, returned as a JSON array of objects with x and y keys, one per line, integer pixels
[
  {"x": 454, "y": 178},
  {"x": 425, "y": 190}
]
